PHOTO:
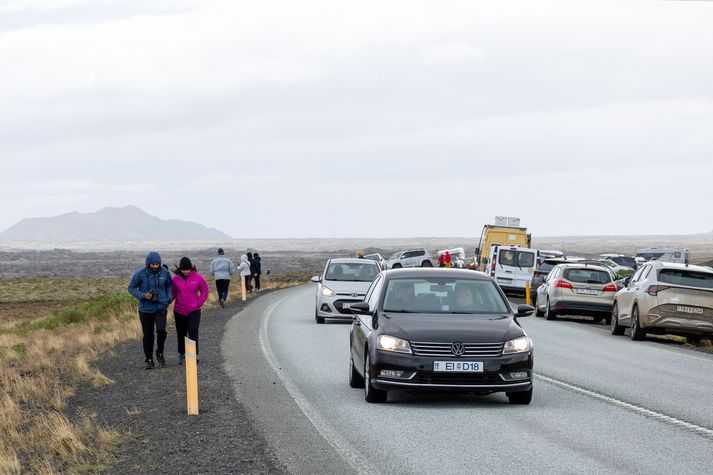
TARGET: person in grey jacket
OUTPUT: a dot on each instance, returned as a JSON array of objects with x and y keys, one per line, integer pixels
[
  {"x": 222, "y": 268},
  {"x": 152, "y": 286}
]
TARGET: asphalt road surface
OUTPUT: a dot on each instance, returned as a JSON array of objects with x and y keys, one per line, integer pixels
[{"x": 601, "y": 403}]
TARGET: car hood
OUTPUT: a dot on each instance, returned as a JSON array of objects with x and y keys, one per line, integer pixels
[
  {"x": 342, "y": 287},
  {"x": 448, "y": 328}
]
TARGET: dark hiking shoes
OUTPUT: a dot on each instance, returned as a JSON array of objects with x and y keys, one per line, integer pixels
[
  {"x": 161, "y": 360},
  {"x": 181, "y": 358},
  {"x": 149, "y": 363},
  {"x": 222, "y": 303}
]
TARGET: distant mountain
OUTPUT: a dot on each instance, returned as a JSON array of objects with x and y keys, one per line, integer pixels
[{"x": 113, "y": 224}]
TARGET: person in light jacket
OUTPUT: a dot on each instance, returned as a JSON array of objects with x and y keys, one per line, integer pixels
[
  {"x": 222, "y": 268},
  {"x": 190, "y": 291},
  {"x": 151, "y": 286},
  {"x": 245, "y": 272}
]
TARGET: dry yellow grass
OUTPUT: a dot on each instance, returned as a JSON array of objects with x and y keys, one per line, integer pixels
[{"x": 46, "y": 354}]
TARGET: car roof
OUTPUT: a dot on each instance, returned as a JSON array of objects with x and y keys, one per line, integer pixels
[
  {"x": 351, "y": 260},
  {"x": 426, "y": 272},
  {"x": 577, "y": 265},
  {"x": 676, "y": 265}
]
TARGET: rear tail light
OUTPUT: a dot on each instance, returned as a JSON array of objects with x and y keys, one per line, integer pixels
[
  {"x": 562, "y": 284},
  {"x": 492, "y": 268},
  {"x": 655, "y": 289},
  {"x": 610, "y": 288}
]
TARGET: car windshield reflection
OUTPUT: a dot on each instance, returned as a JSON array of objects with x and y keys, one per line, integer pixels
[{"x": 444, "y": 296}]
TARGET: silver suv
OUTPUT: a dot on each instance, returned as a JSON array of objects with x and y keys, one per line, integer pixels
[{"x": 410, "y": 258}]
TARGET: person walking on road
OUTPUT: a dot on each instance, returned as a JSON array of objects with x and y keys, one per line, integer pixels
[
  {"x": 258, "y": 270},
  {"x": 151, "y": 286},
  {"x": 190, "y": 291},
  {"x": 244, "y": 270},
  {"x": 222, "y": 268}
]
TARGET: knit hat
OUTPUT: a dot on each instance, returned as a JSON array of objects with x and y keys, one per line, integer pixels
[
  {"x": 220, "y": 251},
  {"x": 185, "y": 264}
]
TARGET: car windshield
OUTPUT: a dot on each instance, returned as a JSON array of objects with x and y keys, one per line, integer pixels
[
  {"x": 587, "y": 276},
  {"x": 687, "y": 278},
  {"x": 352, "y": 272},
  {"x": 447, "y": 296}
]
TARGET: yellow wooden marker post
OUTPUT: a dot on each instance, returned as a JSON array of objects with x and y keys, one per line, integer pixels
[
  {"x": 191, "y": 377},
  {"x": 528, "y": 299},
  {"x": 242, "y": 286}
]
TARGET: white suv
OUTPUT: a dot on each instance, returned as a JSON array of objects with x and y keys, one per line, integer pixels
[{"x": 411, "y": 258}]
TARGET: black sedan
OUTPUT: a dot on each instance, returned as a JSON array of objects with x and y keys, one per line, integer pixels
[{"x": 439, "y": 329}]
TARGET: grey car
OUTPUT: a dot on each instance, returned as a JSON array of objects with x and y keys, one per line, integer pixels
[{"x": 343, "y": 283}]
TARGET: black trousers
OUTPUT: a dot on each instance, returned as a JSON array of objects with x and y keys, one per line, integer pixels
[
  {"x": 248, "y": 283},
  {"x": 221, "y": 286},
  {"x": 257, "y": 281},
  {"x": 148, "y": 322},
  {"x": 187, "y": 325}
]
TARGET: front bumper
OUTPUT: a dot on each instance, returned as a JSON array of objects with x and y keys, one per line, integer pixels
[
  {"x": 419, "y": 374},
  {"x": 333, "y": 307}
]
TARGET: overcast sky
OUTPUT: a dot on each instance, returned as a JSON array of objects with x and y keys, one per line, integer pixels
[{"x": 361, "y": 119}]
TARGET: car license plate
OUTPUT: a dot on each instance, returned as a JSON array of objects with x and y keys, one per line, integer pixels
[
  {"x": 457, "y": 366},
  {"x": 586, "y": 291},
  {"x": 346, "y": 306},
  {"x": 683, "y": 309}
]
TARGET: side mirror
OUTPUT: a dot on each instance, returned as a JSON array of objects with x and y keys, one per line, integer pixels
[
  {"x": 525, "y": 310},
  {"x": 361, "y": 308},
  {"x": 626, "y": 281},
  {"x": 316, "y": 278}
]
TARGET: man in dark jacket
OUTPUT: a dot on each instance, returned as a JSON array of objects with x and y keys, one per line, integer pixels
[
  {"x": 258, "y": 271},
  {"x": 152, "y": 287}
]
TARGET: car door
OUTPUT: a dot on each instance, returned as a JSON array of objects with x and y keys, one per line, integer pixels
[
  {"x": 625, "y": 297},
  {"x": 362, "y": 325},
  {"x": 543, "y": 290}
]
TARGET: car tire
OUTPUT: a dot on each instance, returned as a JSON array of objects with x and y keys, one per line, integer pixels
[
  {"x": 694, "y": 340},
  {"x": 616, "y": 329},
  {"x": 371, "y": 394},
  {"x": 396, "y": 266},
  {"x": 317, "y": 318},
  {"x": 549, "y": 313},
  {"x": 355, "y": 379},
  {"x": 538, "y": 312},
  {"x": 426, "y": 264},
  {"x": 637, "y": 333},
  {"x": 523, "y": 397}
]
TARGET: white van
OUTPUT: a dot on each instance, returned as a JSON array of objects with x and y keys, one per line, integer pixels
[
  {"x": 512, "y": 267},
  {"x": 676, "y": 255}
]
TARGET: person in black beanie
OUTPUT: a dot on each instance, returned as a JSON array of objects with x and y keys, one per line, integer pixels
[{"x": 190, "y": 292}]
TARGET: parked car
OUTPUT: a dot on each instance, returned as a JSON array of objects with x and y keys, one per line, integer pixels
[
  {"x": 619, "y": 270},
  {"x": 541, "y": 272},
  {"x": 576, "y": 289},
  {"x": 343, "y": 283},
  {"x": 378, "y": 258},
  {"x": 411, "y": 258},
  {"x": 665, "y": 297},
  {"x": 439, "y": 329},
  {"x": 512, "y": 267},
  {"x": 621, "y": 260}
]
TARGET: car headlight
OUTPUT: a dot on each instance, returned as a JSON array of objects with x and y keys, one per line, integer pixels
[
  {"x": 327, "y": 292},
  {"x": 517, "y": 345},
  {"x": 391, "y": 343}
]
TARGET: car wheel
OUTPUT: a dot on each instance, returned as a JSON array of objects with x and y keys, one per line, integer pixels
[
  {"x": 637, "y": 333},
  {"x": 317, "y": 318},
  {"x": 355, "y": 379},
  {"x": 538, "y": 312},
  {"x": 694, "y": 340},
  {"x": 549, "y": 313},
  {"x": 426, "y": 264},
  {"x": 520, "y": 398},
  {"x": 371, "y": 394},
  {"x": 616, "y": 329},
  {"x": 396, "y": 266}
]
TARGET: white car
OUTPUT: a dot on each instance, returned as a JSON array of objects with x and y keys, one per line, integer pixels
[
  {"x": 665, "y": 297},
  {"x": 411, "y": 258},
  {"x": 343, "y": 283}
]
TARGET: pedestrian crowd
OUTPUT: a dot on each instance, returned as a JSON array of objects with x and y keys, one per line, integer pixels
[{"x": 155, "y": 289}]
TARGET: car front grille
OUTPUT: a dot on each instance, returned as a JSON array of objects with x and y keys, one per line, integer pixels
[
  {"x": 483, "y": 350},
  {"x": 460, "y": 379}
]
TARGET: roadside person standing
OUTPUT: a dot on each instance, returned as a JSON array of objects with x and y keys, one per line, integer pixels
[
  {"x": 151, "y": 285},
  {"x": 251, "y": 261},
  {"x": 190, "y": 291},
  {"x": 441, "y": 260},
  {"x": 222, "y": 268},
  {"x": 244, "y": 270},
  {"x": 448, "y": 259},
  {"x": 258, "y": 270}
]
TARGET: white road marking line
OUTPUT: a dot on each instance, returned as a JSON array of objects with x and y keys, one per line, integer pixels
[
  {"x": 702, "y": 431},
  {"x": 334, "y": 438}
]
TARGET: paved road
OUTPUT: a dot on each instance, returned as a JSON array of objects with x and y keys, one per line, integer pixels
[{"x": 602, "y": 404}]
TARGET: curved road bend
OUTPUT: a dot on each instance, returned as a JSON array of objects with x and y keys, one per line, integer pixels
[{"x": 601, "y": 403}]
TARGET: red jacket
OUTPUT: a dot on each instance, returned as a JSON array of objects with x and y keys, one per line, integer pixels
[{"x": 189, "y": 293}]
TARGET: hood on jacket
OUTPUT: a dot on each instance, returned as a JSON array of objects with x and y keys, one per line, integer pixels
[
  {"x": 153, "y": 257},
  {"x": 244, "y": 258}
]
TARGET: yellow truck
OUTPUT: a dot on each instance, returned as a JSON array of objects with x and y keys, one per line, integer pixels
[{"x": 503, "y": 235}]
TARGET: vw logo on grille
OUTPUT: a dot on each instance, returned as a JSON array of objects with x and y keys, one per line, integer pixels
[
  {"x": 458, "y": 348},
  {"x": 355, "y": 295}
]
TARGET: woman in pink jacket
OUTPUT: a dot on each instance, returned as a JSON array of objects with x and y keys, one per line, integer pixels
[{"x": 190, "y": 291}]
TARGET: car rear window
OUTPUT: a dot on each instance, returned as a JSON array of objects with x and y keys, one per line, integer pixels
[
  {"x": 449, "y": 296},
  {"x": 516, "y": 258},
  {"x": 352, "y": 272},
  {"x": 686, "y": 277},
  {"x": 587, "y": 276}
]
